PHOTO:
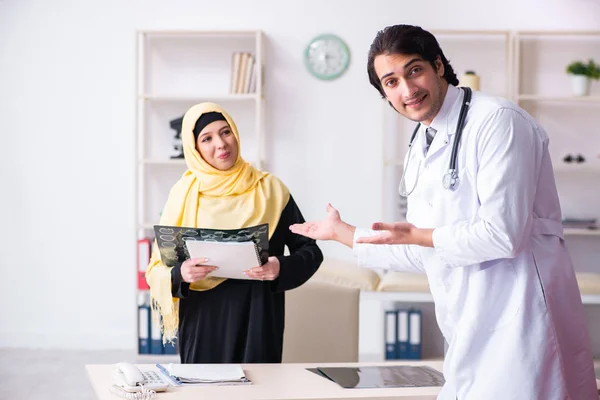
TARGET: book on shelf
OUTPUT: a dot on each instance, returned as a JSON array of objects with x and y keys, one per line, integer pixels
[{"x": 243, "y": 73}]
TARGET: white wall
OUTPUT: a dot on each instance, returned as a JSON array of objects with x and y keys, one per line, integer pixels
[{"x": 67, "y": 122}]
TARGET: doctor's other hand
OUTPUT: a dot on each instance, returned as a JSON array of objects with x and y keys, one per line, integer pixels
[
  {"x": 330, "y": 228},
  {"x": 398, "y": 233},
  {"x": 269, "y": 271},
  {"x": 193, "y": 269}
]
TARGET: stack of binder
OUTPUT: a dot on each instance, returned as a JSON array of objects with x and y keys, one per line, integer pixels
[
  {"x": 403, "y": 334},
  {"x": 149, "y": 334}
]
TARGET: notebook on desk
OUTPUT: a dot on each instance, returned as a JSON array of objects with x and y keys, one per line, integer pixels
[{"x": 204, "y": 374}]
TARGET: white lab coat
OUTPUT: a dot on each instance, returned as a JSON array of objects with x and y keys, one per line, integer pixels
[{"x": 506, "y": 297}]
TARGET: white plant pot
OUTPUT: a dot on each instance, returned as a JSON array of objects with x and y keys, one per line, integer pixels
[{"x": 581, "y": 85}]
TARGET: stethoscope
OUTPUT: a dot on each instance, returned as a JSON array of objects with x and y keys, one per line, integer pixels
[{"x": 450, "y": 179}]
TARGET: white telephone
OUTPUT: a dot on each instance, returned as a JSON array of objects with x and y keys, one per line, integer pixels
[{"x": 129, "y": 378}]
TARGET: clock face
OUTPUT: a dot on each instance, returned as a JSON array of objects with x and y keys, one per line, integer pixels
[{"x": 327, "y": 57}]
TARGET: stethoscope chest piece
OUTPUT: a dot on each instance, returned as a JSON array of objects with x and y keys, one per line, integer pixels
[{"x": 450, "y": 180}]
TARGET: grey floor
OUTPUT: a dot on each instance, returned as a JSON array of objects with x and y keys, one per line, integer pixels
[{"x": 57, "y": 374}]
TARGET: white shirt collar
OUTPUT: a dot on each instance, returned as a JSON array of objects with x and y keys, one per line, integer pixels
[{"x": 446, "y": 119}]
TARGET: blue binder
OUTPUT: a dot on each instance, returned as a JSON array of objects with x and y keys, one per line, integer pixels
[
  {"x": 402, "y": 343},
  {"x": 414, "y": 334},
  {"x": 156, "y": 346},
  {"x": 170, "y": 348},
  {"x": 143, "y": 325},
  {"x": 390, "y": 330}
]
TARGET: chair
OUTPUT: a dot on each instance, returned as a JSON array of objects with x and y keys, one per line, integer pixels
[{"x": 321, "y": 323}]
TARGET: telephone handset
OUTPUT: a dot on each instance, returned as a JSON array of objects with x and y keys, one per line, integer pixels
[{"x": 130, "y": 379}]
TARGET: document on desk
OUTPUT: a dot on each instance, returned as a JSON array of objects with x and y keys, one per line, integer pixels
[
  {"x": 205, "y": 374},
  {"x": 382, "y": 377}
]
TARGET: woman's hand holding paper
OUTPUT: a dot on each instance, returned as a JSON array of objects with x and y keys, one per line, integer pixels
[
  {"x": 266, "y": 272},
  {"x": 194, "y": 269}
]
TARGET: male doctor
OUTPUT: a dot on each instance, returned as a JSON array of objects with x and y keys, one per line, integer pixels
[{"x": 492, "y": 246}]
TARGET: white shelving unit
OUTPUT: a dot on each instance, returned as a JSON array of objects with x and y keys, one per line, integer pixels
[
  {"x": 543, "y": 88},
  {"x": 176, "y": 70}
]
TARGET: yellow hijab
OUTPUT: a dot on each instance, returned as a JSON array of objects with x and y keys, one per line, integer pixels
[{"x": 206, "y": 197}]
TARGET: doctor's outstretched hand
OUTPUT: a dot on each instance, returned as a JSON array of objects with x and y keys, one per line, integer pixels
[
  {"x": 398, "y": 233},
  {"x": 330, "y": 228}
]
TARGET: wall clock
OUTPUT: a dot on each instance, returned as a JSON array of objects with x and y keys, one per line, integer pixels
[{"x": 327, "y": 57}]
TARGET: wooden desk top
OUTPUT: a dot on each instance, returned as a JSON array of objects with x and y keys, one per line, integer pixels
[{"x": 274, "y": 381}]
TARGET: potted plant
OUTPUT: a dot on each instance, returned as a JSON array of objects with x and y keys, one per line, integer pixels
[{"x": 581, "y": 74}]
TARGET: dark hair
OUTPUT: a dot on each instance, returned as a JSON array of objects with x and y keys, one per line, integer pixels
[
  {"x": 206, "y": 119},
  {"x": 407, "y": 39}
]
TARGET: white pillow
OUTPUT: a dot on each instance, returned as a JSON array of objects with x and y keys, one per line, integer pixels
[
  {"x": 589, "y": 282},
  {"x": 395, "y": 281},
  {"x": 347, "y": 274}
]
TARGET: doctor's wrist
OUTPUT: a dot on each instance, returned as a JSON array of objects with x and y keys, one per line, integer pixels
[
  {"x": 344, "y": 234},
  {"x": 423, "y": 237}
]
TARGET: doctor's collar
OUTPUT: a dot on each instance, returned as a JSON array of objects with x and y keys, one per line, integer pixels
[{"x": 446, "y": 118}]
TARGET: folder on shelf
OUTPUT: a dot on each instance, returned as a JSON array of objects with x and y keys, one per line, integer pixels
[
  {"x": 143, "y": 324},
  {"x": 156, "y": 346},
  {"x": 414, "y": 337},
  {"x": 143, "y": 259},
  {"x": 170, "y": 348},
  {"x": 402, "y": 343},
  {"x": 390, "y": 329}
]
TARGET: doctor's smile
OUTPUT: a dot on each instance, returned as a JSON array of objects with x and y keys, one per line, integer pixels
[{"x": 415, "y": 103}]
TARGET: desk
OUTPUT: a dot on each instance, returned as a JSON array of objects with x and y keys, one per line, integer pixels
[{"x": 274, "y": 381}]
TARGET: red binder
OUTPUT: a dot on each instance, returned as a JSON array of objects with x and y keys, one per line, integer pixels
[{"x": 143, "y": 259}]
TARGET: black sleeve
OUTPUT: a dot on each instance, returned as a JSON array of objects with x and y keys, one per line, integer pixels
[
  {"x": 179, "y": 288},
  {"x": 305, "y": 256}
]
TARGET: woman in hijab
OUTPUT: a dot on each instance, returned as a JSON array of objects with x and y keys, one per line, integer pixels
[{"x": 219, "y": 320}]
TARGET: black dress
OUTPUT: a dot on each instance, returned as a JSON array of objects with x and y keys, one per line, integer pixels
[{"x": 242, "y": 321}]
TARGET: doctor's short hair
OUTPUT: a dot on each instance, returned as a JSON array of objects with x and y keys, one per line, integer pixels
[{"x": 407, "y": 39}]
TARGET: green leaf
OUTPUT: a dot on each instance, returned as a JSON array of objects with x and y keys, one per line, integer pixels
[{"x": 589, "y": 69}]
